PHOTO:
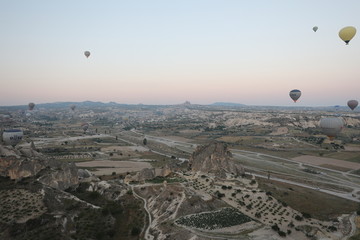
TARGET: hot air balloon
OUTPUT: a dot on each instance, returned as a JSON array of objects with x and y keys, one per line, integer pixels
[
  {"x": 295, "y": 94},
  {"x": 31, "y": 106},
  {"x": 315, "y": 28},
  {"x": 331, "y": 126},
  {"x": 347, "y": 33},
  {"x": 85, "y": 126},
  {"x": 12, "y": 136},
  {"x": 87, "y": 54},
  {"x": 352, "y": 104},
  {"x": 72, "y": 107}
]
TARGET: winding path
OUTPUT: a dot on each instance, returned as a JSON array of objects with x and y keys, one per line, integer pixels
[{"x": 147, "y": 231}]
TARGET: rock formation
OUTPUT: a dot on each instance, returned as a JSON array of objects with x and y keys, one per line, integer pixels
[
  {"x": 27, "y": 162},
  {"x": 166, "y": 171},
  {"x": 214, "y": 158}
]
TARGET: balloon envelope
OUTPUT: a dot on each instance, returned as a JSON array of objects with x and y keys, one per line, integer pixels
[
  {"x": 85, "y": 126},
  {"x": 31, "y": 106},
  {"x": 352, "y": 104},
  {"x": 12, "y": 136},
  {"x": 347, "y": 33},
  {"x": 295, "y": 94},
  {"x": 331, "y": 126},
  {"x": 315, "y": 28},
  {"x": 87, "y": 54}
]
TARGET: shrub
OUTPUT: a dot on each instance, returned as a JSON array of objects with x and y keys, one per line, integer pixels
[
  {"x": 135, "y": 231},
  {"x": 282, "y": 234},
  {"x": 220, "y": 195},
  {"x": 332, "y": 228},
  {"x": 275, "y": 227},
  {"x": 306, "y": 215}
]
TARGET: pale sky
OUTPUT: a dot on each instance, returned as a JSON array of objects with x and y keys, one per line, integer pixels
[{"x": 169, "y": 51}]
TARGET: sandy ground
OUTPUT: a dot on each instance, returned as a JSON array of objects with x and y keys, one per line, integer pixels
[
  {"x": 106, "y": 167},
  {"x": 124, "y": 149},
  {"x": 329, "y": 161},
  {"x": 176, "y": 138},
  {"x": 352, "y": 148},
  {"x": 280, "y": 131}
]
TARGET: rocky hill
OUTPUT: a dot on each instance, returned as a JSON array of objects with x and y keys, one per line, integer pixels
[
  {"x": 43, "y": 198},
  {"x": 214, "y": 158},
  {"x": 26, "y": 162}
]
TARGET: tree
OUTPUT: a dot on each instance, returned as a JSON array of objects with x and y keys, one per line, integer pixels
[{"x": 145, "y": 141}]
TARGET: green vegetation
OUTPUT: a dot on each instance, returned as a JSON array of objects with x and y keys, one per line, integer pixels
[
  {"x": 225, "y": 217},
  {"x": 160, "y": 179},
  {"x": 113, "y": 220}
]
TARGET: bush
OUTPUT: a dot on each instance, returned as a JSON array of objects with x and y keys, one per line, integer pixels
[
  {"x": 275, "y": 227},
  {"x": 94, "y": 195},
  {"x": 135, "y": 231},
  {"x": 282, "y": 234},
  {"x": 306, "y": 215},
  {"x": 332, "y": 228},
  {"x": 249, "y": 206},
  {"x": 299, "y": 218},
  {"x": 220, "y": 195}
]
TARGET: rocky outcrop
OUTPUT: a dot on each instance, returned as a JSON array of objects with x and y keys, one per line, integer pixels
[
  {"x": 27, "y": 162},
  {"x": 111, "y": 190},
  {"x": 166, "y": 171},
  {"x": 146, "y": 174},
  {"x": 83, "y": 173},
  {"x": 214, "y": 158}
]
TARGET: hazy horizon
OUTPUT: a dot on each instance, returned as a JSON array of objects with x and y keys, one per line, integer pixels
[
  {"x": 162, "y": 52},
  {"x": 295, "y": 105}
]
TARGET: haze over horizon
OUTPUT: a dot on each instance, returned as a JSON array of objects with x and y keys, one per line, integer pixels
[{"x": 163, "y": 52}]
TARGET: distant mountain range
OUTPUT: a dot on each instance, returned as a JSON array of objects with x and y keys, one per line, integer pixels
[
  {"x": 216, "y": 105},
  {"x": 228, "y": 104}
]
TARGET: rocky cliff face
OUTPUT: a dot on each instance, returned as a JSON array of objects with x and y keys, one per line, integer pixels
[
  {"x": 26, "y": 162},
  {"x": 214, "y": 158}
]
